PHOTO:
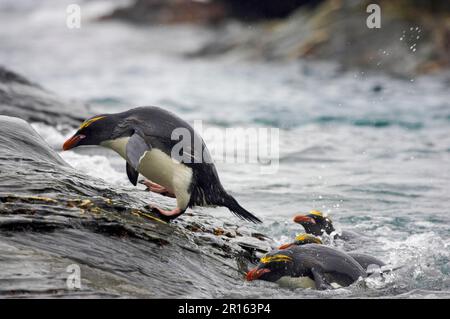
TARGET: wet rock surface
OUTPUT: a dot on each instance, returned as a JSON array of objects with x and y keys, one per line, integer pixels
[
  {"x": 52, "y": 217},
  {"x": 170, "y": 11},
  {"x": 212, "y": 12},
  {"x": 409, "y": 42},
  {"x": 413, "y": 37}
]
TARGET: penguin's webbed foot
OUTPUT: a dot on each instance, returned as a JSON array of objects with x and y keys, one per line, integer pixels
[
  {"x": 156, "y": 188},
  {"x": 169, "y": 213}
]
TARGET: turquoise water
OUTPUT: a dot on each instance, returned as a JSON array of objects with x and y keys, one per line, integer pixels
[{"x": 371, "y": 151}]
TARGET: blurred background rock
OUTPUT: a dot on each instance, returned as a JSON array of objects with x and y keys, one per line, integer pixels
[
  {"x": 313, "y": 29},
  {"x": 370, "y": 149}
]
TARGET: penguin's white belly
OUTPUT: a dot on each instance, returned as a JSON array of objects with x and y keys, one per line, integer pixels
[
  {"x": 301, "y": 282},
  {"x": 296, "y": 282},
  {"x": 160, "y": 168}
]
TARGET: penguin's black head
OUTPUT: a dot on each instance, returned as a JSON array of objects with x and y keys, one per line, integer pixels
[
  {"x": 93, "y": 131},
  {"x": 273, "y": 266},
  {"x": 302, "y": 239},
  {"x": 315, "y": 223}
]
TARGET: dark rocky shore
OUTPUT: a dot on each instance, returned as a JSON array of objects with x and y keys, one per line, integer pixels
[
  {"x": 52, "y": 216},
  {"x": 22, "y": 98},
  {"x": 414, "y": 37}
]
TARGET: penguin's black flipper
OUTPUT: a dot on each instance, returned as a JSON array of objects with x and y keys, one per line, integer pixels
[
  {"x": 135, "y": 149},
  {"x": 132, "y": 174},
  {"x": 319, "y": 279}
]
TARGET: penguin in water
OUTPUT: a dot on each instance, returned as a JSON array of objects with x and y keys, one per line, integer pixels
[
  {"x": 164, "y": 149},
  {"x": 315, "y": 223},
  {"x": 367, "y": 262},
  {"x": 317, "y": 266}
]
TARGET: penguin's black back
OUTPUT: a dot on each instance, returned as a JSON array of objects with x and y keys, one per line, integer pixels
[
  {"x": 336, "y": 265},
  {"x": 157, "y": 127},
  {"x": 366, "y": 260}
]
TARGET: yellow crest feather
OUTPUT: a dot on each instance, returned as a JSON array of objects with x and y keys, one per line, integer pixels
[
  {"x": 308, "y": 238},
  {"x": 316, "y": 212},
  {"x": 275, "y": 258},
  {"x": 90, "y": 121}
]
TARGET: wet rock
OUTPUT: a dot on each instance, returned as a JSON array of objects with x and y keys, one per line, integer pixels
[
  {"x": 170, "y": 11},
  {"x": 52, "y": 217},
  {"x": 253, "y": 10},
  {"x": 22, "y": 98},
  {"x": 208, "y": 11},
  {"x": 412, "y": 39}
]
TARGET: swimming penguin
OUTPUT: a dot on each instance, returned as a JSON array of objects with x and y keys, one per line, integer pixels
[
  {"x": 363, "y": 259},
  {"x": 164, "y": 149},
  {"x": 317, "y": 224},
  {"x": 323, "y": 266}
]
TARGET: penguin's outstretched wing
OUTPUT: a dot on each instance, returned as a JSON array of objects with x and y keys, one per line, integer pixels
[{"x": 136, "y": 148}]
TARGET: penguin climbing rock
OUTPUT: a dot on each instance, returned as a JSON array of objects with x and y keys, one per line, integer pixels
[{"x": 164, "y": 149}]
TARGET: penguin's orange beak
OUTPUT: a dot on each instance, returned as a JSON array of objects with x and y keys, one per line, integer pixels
[
  {"x": 73, "y": 141},
  {"x": 255, "y": 273},
  {"x": 303, "y": 219}
]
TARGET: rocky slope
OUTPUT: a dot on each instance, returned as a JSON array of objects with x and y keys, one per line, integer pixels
[{"x": 52, "y": 217}]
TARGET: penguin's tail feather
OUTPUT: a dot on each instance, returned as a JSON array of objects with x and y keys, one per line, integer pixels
[{"x": 240, "y": 211}]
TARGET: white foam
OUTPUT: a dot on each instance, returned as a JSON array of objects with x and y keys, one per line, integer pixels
[
  {"x": 97, "y": 166},
  {"x": 419, "y": 254},
  {"x": 51, "y": 135},
  {"x": 93, "y": 165}
]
